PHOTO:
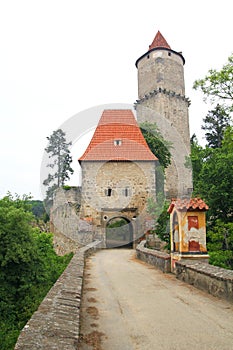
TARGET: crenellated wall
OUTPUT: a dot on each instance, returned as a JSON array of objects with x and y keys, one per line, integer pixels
[{"x": 55, "y": 325}]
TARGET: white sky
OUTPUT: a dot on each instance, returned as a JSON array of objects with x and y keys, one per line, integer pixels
[{"x": 59, "y": 58}]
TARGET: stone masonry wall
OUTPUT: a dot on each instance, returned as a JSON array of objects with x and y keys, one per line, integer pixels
[
  {"x": 70, "y": 231},
  {"x": 137, "y": 177},
  {"x": 160, "y": 68},
  {"x": 215, "y": 280},
  {"x": 160, "y": 260},
  {"x": 171, "y": 117},
  {"x": 55, "y": 325}
]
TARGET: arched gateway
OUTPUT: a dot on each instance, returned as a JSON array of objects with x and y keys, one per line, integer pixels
[{"x": 119, "y": 232}]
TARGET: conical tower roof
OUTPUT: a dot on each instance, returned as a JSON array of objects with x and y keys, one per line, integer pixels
[{"x": 159, "y": 41}]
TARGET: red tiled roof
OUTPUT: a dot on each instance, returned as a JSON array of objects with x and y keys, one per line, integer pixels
[
  {"x": 118, "y": 124},
  {"x": 188, "y": 204},
  {"x": 159, "y": 41}
]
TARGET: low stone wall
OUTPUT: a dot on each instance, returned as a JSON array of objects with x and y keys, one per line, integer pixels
[
  {"x": 215, "y": 280},
  {"x": 159, "y": 259},
  {"x": 55, "y": 325}
]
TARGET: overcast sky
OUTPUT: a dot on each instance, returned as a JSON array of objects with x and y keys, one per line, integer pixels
[{"x": 59, "y": 58}]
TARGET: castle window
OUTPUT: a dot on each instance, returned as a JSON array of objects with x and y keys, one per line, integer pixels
[
  {"x": 117, "y": 142},
  {"x": 126, "y": 192},
  {"x": 169, "y": 54},
  {"x": 148, "y": 56},
  {"x": 108, "y": 192}
]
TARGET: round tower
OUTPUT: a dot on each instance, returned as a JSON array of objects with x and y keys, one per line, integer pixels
[
  {"x": 160, "y": 67},
  {"x": 162, "y": 100}
]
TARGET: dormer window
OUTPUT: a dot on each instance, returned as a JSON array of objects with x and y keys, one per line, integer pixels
[{"x": 117, "y": 142}]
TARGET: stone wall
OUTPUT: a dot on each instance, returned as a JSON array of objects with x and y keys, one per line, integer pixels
[
  {"x": 130, "y": 185},
  {"x": 215, "y": 280},
  {"x": 55, "y": 325},
  {"x": 160, "y": 68},
  {"x": 160, "y": 260},
  {"x": 70, "y": 231}
]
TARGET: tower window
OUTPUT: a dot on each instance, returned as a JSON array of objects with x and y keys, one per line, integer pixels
[
  {"x": 169, "y": 54},
  {"x": 117, "y": 142},
  {"x": 148, "y": 56}
]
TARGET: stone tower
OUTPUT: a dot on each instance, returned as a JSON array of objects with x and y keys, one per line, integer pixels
[{"x": 161, "y": 100}]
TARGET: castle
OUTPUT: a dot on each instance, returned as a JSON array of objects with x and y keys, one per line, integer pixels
[{"x": 118, "y": 168}]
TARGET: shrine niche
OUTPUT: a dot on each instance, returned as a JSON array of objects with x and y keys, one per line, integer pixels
[{"x": 188, "y": 229}]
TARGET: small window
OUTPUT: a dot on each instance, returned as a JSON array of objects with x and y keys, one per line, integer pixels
[
  {"x": 109, "y": 192},
  {"x": 126, "y": 192},
  {"x": 169, "y": 54},
  {"x": 117, "y": 142},
  {"x": 148, "y": 56}
]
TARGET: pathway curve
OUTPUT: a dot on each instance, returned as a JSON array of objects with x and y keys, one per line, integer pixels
[{"x": 129, "y": 305}]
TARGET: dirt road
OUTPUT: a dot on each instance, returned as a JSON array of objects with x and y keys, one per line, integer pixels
[{"x": 128, "y": 305}]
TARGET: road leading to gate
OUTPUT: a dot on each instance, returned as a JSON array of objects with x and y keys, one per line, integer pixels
[{"x": 129, "y": 305}]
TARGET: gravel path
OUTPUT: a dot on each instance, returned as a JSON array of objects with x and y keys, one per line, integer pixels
[{"x": 129, "y": 305}]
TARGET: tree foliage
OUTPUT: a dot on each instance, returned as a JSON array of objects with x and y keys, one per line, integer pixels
[
  {"x": 213, "y": 181},
  {"x": 59, "y": 154},
  {"x": 158, "y": 211},
  {"x": 220, "y": 244},
  {"x": 212, "y": 165},
  {"x": 28, "y": 267},
  {"x": 215, "y": 124},
  {"x": 158, "y": 146},
  {"x": 218, "y": 85}
]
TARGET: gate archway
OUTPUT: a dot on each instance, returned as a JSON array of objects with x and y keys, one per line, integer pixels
[{"x": 119, "y": 233}]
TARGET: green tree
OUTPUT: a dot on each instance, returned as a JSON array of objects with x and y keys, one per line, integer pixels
[
  {"x": 59, "y": 154},
  {"x": 28, "y": 267},
  {"x": 218, "y": 85},
  {"x": 158, "y": 146},
  {"x": 195, "y": 160},
  {"x": 220, "y": 244},
  {"x": 160, "y": 215},
  {"x": 215, "y": 124},
  {"x": 37, "y": 208},
  {"x": 215, "y": 182},
  {"x": 161, "y": 149}
]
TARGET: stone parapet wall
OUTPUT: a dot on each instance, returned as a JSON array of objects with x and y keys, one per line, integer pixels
[
  {"x": 55, "y": 325},
  {"x": 63, "y": 244},
  {"x": 160, "y": 260},
  {"x": 215, "y": 280}
]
